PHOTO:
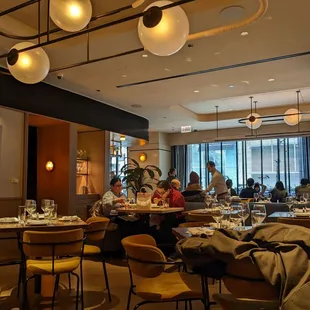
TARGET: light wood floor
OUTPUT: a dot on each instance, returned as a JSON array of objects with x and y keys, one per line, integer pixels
[{"x": 95, "y": 298}]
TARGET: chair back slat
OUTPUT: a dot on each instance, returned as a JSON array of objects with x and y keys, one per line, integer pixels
[
  {"x": 96, "y": 228},
  {"x": 52, "y": 244},
  {"x": 143, "y": 248}
]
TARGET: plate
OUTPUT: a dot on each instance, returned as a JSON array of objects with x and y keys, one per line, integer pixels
[
  {"x": 8, "y": 220},
  {"x": 37, "y": 222},
  {"x": 69, "y": 218}
]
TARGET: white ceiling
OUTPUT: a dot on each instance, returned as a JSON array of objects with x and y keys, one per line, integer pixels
[{"x": 282, "y": 31}]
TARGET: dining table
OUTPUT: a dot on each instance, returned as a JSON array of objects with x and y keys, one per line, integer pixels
[{"x": 43, "y": 284}]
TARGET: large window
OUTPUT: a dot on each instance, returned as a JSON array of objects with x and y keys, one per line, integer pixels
[{"x": 266, "y": 161}]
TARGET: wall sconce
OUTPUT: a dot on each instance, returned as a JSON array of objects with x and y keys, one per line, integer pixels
[
  {"x": 142, "y": 157},
  {"x": 122, "y": 137},
  {"x": 49, "y": 166}
]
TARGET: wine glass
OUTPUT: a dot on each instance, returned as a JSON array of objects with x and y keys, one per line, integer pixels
[
  {"x": 258, "y": 214},
  {"x": 228, "y": 200},
  {"x": 217, "y": 212},
  {"x": 208, "y": 201},
  {"x": 245, "y": 212},
  {"x": 236, "y": 214},
  {"x": 256, "y": 197},
  {"x": 31, "y": 207},
  {"x": 269, "y": 197},
  {"x": 290, "y": 203},
  {"x": 306, "y": 197}
]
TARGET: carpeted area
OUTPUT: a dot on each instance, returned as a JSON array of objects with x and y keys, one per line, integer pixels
[{"x": 95, "y": 298}]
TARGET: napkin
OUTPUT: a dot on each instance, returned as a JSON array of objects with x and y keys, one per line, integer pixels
[
  {"x": 197, "y": 231},
  {"x": 9, "y": 220},
  {"x": 69, "y": 218}
]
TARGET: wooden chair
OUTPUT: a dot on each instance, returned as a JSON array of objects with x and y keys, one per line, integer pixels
[
  {"x": 299, "y": 221},
  {"x": 52, "y": 253},
  {"x": 153, "y": 285}
]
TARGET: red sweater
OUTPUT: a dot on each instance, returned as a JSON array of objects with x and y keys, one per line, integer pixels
[{"x": 176, "y": 199}]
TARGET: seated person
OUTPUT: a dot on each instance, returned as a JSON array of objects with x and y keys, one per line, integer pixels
[
  {"x": 172, "y": 174},
  {"x": 249, "y": 191},
  {"x": 231, "y": 190},
  {"x": 303, "y": 188},
  {"x": 257, "y": 189},
  {"x": 279, "y": 193},
  {"x": 176, "y": 184},
  {"x": 112, "y": 199},
  {"x": 193, "y": 192}
]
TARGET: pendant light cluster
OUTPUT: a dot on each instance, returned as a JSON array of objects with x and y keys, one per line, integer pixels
[
  {"x": 291, "y": 117},
  {"x": 161, "y": 32}
]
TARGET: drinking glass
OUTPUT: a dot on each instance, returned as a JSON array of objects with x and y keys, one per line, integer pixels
[
  {"x": 31, "y": 207},
  {"x": 208, "y": 201},
  {"x": 256, "y": 197},
  {"x": 245, "y": 212},
  {"x": 258, "y": 214},
  {"x": 217, "y": 212},
  {"x": 269, "y": 197},
  {"x": 228, "y": 200},
  {"x": 306, "y": 197},
  {"x": 22, "y": 215},
  {"x": 290, "y": 204},
  {"x": 236, "y": 214}
]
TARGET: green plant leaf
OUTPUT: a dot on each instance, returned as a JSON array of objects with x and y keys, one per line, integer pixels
[
  {"x": 151, "y": 173},
  {"x": 149, "y": 186},
  {"x": 135, "y": 162}
]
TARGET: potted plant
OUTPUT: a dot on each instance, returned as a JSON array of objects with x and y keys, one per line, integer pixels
[{"x": 137, "y": 177}]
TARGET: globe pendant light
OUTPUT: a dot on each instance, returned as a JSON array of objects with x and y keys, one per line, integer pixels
[
  {"x": 163, "y": 32},
  {"x": 292, "y": 117},
  {"x": 71, "y": 15},
  {"x": 253, "y": 121},
  {"x": 29, "y": 67}
]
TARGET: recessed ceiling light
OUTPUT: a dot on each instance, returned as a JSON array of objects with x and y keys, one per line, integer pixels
[
  {"x": 189, "y": 59},
  {"x": 217, "y": 53},
  {"x": 124, "y": 75},
  {"x": 214, "y": 85},
  {"x": 196, "y": 91},
  {"x": 231, "y": 86},
  {"x": 244, "y": 33},
  {"x": 145, "y": 55},
  {"x": 168, "y": 70},
  {"x": 246, "y": 82},
  {"x": 271, "y": 80},
  {"x": 136, "y": 106}
]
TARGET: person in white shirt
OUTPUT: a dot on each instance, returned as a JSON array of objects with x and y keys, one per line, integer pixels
[{"x": 217, "y": 182}]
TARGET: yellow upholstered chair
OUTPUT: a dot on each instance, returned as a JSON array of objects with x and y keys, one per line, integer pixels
[
  {"x": 95, "y": 233},
  {"x": 228, "y": 302},
  {"x": 153, "y": 285},
  {"x": 299, "y": 221},
  {"x": 53, "y": 253}
]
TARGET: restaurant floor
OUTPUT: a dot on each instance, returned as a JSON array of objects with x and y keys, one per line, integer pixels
[{"x": 95, "y": 299}]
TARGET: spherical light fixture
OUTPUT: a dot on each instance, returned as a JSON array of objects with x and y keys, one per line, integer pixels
[
  {"x": 49, "y": 166},
  {"x": 71, "y": 15},
  {"x": 292, "y": 117},
  {"x": 142, "y": 157},
  {"x": 253, "y": 121},
  {"x": 163, "y": 32},
  {"x": 29, "y": 67}
]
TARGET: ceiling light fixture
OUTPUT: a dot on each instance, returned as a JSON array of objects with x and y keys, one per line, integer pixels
[
  {"x": 271, "y": 80},
  {"x": 244, "y": 33},
  {"x": 196, "y": 91},
  {"x": 163, "y": 33},
  {"x": 145, "y": 55},
  {"x": 124, "y": 76},
  {"x": 71, "y": 16},
  {"x": 231, "y": 86},
  {"x": 122, "y": 138},
  {"x": 29, "y": 67},
  {"x": 291, "y": 117}
]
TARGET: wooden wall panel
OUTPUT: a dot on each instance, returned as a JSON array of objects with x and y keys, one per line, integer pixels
[{"x": 9, "y": 206}]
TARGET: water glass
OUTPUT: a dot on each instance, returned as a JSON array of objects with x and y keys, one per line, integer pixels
[
  {"x": 31, "y": 207},
  {"x": 256, "y": 197},
  {"x": 258, "y": 214},
  {"x": 217, "y": 212},
  {"x": 290, "y": 204},
  {"x": 228, "y": 200},
  {"x": 22, "y": 215},
  {"x": 208, "y": 201},
  {"x": 236, "y": 214},
  {"x": 269, "y": 197},
  {"x": 245, "y": 212},
  {"x": 54, "y": 212}
]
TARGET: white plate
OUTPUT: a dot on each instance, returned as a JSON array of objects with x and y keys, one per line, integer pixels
[
  {"x": 37, "y": 222},
  {"x": 5, "y": 220},
  {"x": 69, "y": 218}
]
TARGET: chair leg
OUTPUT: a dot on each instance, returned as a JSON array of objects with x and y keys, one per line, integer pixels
[
  {"x": 185, "y": 304},
  {"x": 82, "y": 284},
  {"x": 55, "y": 289},
  {"x": 177, "y": 305},
  {"x": 204, "y": 283},
  {"x": 69, "y": 280},
  {"x": 19, "y": 278},
  {"x": 77, "y": 291},
  {"x": 129, "y": 298},
  {"x": 220, "y": 286},
  {"x": 190, "y": 305},
  {"x": 106, "y": 278},
  {"x": 140, "y": 304}
]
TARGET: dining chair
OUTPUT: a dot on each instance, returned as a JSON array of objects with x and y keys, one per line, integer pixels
[
  {"x": 299, "y": 221},
  {"x": 149, "y": 281},
  {"x": 192, "y": 224},
  {"x": 229, "y": 302},
  {"x": 52, "y": 253},
  {"x": 95, "y": 233},
  {"x": 12, "y": 258}
]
